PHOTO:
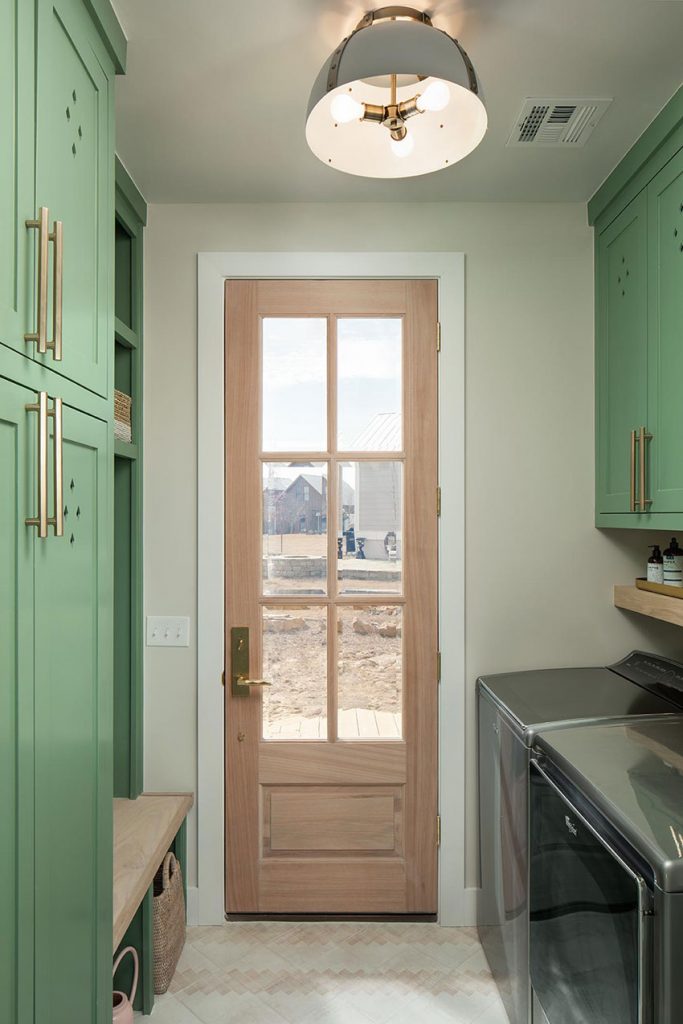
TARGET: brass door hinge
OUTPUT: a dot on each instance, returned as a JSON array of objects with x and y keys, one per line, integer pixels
[
  {"x": 222, "y": 678},
  {"x": 438, "y": 335},
  {"x": 438, "y": 501},
  {"x": 438, "y": 666},
  {"x": 438, "y": 830}
]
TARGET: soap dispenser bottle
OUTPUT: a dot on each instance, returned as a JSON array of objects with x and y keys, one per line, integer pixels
[
  {"x": 655, "y": 565},
  {"x": 673, "y": 565}
]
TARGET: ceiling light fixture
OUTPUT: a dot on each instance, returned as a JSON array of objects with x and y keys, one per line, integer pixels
[{"x": 397, "y": 98}]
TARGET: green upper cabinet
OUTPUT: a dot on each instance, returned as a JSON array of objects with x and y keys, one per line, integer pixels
[
  {"x": 665, "y": 369},
  {"x": 74, "y": 180},
  {"x": 17, "y": 200},
  {"x": 638, "y": 217},
  {"x": 621, "y": 358}
]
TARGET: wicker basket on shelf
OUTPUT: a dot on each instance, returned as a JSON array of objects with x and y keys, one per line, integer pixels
[
  {"x": 168, "y": 922},
  {"x": 122, "y": 416}
]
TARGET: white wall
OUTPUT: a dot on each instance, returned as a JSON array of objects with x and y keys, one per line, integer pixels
[{"x": 539, "y": 575}]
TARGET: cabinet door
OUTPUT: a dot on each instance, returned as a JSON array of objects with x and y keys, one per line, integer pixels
[
  {"x": 17, "y": 457},
  {"x": 74, "y": 172},
  {"x": 17, "y": 316},
  {"x": 665, "y": 371},
  {"x": 73, "y": 758},
  {"x": 621, "y": 351}
]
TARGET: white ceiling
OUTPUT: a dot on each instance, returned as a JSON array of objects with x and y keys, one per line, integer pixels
[{"x": 213, "y": 106}]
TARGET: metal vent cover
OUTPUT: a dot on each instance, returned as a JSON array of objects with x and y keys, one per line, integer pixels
[{"x": 557, "y": 122}]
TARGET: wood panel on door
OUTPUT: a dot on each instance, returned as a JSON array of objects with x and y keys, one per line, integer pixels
[{"x": 331, "y": 564}]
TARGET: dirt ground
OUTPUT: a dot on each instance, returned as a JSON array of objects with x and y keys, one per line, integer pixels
[{"x": 368, "y": 660}]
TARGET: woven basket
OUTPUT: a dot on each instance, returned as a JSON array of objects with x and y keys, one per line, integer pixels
[
  {"x": 122, "y": 406},
  {"x": 169, "y": 922}
]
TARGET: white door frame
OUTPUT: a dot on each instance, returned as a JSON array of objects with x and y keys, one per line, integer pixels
[{"x": 456, "y": 903}]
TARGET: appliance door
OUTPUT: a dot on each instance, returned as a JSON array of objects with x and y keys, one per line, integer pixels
[
  {"x": 502, "y": 912},
  {"x": 589, "y": 910}
]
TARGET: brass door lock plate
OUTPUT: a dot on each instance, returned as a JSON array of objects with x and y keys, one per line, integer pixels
[{"x": 240, "y": 683}]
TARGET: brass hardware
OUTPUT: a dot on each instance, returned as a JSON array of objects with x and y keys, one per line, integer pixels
[
  {"x": 438, "y": 335},
  {"x": 241, "y": 684},
  {"x": 57, "y": 236},
  {"x": 222, "y": 678},
  {"x": 438, "y": 501},
  {"x": 438, "y": 666},
  {"x": 632, "y": 500},
  {"x": 57, "y": 521},
  {"x": 642, "y": 438},
  {"x": 41, "y": 519},
  {"x": 438, "y": 830},
  {"x": 40, "y": 334}
]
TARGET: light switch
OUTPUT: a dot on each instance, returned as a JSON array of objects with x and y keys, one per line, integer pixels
[{"x": 168, "y": 631}]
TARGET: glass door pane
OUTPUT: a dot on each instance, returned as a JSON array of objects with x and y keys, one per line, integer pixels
[
  {"x": 294, "y": 514},
  {"x": 369, "y": 384},
  {"x": 294, "y": 382},
  {"x": 295, "y": 664},
  {"x": 369, "y": 672},
  {"x": 370, "y": 527}
]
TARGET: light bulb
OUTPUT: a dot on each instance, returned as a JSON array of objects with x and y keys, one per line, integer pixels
[
  {"x": 435, "y": 97},
  {"x": 344, "y": 108},
  {"x": 402, "y": 147}
]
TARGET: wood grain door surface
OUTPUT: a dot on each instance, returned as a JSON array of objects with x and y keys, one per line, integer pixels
[{"x": 331, "y": 564}]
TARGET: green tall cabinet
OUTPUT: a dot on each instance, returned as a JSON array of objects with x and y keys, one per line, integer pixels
[
  {"x": 58, "y": 59},
  {"x": 638, "y": 216}
]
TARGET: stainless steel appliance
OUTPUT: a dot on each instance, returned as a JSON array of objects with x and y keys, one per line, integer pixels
[
  {"x": 606, "y": 896},
  {"x": 513, "y": 709}
]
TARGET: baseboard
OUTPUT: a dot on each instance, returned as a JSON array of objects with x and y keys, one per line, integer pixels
[{"x": 192, "y": 906}]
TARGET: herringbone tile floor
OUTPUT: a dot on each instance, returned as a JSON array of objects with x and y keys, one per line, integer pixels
[{"x": 330, "y": 973}]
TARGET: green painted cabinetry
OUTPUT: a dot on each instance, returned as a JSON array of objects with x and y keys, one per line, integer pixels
[
  {"x": 57, "y": 67},
  {"x": 665, "y": 337},
  {"x": 621, "y": 369},
  {"x": 17, "y": 179},
  {"x": 639, "y": 332}
]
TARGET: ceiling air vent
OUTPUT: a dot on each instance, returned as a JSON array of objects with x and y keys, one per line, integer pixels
[{"x": 544, "y": 122}]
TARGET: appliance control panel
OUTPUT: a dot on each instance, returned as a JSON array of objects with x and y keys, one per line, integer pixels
[{"x": 658, "y": 675}]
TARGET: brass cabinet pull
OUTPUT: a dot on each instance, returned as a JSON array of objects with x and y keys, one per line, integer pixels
[
  {"x": 40, "y": 334},
  {"x": 642, "y": 500},
  {"x": 632, "y": 505},
  {"x": 57, "y": 236},
  {"x": 40, "y": 521},
  {"x": 57, "y": 520}
]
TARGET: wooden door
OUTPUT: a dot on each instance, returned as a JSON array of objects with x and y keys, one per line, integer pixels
[
  {"x": 665, "y": 262},
  {"x": 74, "y": 179},
  {"x": 17, "y": 457},
  {"x": 73, "y": 724},
  {"x": 17, "y": 179},
  {"x": 621, "y": 351},
  {"x": 331, "y": 565}
]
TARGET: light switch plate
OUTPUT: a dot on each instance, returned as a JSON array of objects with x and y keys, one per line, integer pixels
[{"x": 168, "y": 631}]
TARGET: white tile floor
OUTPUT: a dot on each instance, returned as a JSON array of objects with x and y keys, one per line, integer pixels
[{"x": 330, "y": 973}]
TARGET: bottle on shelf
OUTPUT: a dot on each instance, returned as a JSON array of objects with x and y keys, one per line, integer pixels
[
  {"x": 655, "y": 565},
  {"x": 673, "y": 565}
]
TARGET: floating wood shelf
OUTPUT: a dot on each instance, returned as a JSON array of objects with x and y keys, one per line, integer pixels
[{"x": 656, "y": 606}]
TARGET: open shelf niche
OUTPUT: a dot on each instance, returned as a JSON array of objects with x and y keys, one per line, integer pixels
[{"x": 131, "y": 216}]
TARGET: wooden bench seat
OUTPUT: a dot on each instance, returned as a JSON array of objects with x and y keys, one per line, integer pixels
[{"x": 144, "y": 829}]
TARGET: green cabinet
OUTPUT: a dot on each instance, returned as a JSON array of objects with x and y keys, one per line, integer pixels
[
  {"x": 621, "y": 365},
  {"x": 55, "y": 723},
  {"x": 665, "y": 337},
  {"x": 73, "y": 727},
  {"x": 57, "y": 90},
  {"x": 639, "y": 333},
  {"x": 17, "y": 180}
]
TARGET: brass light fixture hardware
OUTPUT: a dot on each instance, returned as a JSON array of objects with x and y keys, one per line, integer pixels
[
  {"x": 643, "y": 438},
  {"x": 241, "y": 685},
  {"x": 394, "y": 66}
]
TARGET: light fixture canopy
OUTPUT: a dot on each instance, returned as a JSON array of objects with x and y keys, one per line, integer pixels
[{"x": 397, "y": 98}]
